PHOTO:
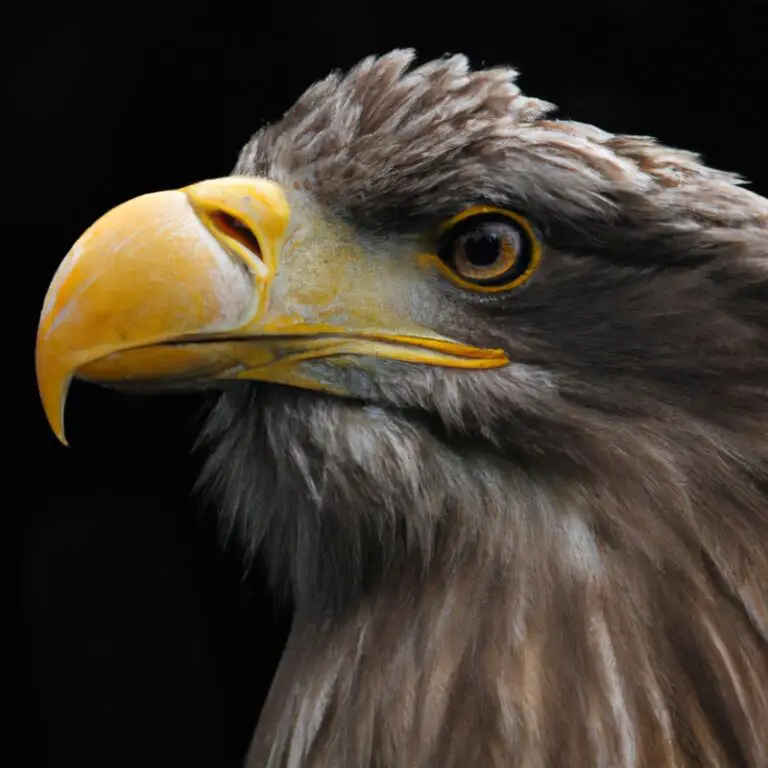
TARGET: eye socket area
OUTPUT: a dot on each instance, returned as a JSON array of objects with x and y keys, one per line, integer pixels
[{"x": 488, "y": 249}]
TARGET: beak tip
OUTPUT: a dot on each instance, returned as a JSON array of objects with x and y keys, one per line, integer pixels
[
  {"x": 60, "y": 436},
  {"x": 53, "y": 391},
  {"x": 57, "y": 427}
]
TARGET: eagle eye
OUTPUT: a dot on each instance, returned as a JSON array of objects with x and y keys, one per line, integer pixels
[{"x": 488, "y": 249}]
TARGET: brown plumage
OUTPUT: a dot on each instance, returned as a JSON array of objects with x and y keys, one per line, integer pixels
[{"x": 560, "y": 562}]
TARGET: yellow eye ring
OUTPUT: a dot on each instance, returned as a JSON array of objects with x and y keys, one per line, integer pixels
[{"x": 488, "y": 249}]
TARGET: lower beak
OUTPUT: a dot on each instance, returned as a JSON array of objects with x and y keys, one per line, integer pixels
[{"x": 177, "y": 285}]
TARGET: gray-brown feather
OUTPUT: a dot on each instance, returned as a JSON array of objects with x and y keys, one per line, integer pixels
[{"x": 559, "y": 563}]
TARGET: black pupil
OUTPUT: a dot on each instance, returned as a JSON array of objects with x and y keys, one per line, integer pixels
[{"x": 482, "y": 248}]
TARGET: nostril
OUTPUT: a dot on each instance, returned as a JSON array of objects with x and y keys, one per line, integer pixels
[{"x": 236, "y": 229}]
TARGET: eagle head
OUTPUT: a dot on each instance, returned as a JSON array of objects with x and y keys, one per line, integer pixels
[{"x": 492, "y": 402}]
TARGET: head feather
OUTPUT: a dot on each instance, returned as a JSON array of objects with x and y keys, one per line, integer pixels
[{"x": 562, "y": 562}]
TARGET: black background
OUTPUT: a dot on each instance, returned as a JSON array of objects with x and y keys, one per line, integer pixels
[{"x": 137, "y": 639}]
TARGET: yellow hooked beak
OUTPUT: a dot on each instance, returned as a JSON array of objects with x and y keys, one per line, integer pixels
[{"x": 224, "y": 280}]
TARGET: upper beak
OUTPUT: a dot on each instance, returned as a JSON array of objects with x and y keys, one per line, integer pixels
[{"x": 198, "y": 282}]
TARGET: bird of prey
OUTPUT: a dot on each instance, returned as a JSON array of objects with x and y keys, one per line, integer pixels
[{"x": 493, "y": 407}]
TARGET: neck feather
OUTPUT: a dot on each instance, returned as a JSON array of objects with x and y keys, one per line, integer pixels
[{"x": 579, "y": 637}]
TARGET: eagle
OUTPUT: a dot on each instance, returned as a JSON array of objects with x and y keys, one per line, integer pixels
[{"x": 491, "y": 403}]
